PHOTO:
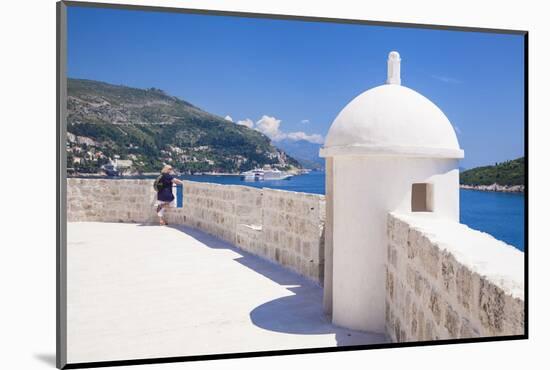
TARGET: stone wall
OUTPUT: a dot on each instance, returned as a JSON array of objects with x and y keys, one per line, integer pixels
[
  {"x": 110, "y": 200},
  {"x": 211, "y": 208},
  {"x": 285, "y": 227},
  {"x": 282, "y": 226},
  {"x": 445, "y": 280},
  {"x": 293, "y": 225}
]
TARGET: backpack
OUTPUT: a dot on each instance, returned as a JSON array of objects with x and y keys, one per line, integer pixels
[{"x": 157, "y": 184}]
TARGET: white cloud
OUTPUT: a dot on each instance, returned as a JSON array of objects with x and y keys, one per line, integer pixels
[
  {"x": 447, "y": 79},
  {"x": 246, "y": 122},
  {"x": 314, "y": 138},
  {"x": 271, "y": 127},
  {"x": 304, "y": 121},
  {"x": 228, "y": 118}
]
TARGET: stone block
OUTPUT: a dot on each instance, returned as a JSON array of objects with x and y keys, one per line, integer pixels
[
  {"x": 297, "y": 246},
  {"x": 465, "y": 287},
  {"x": 412, "y": 244},
  {"x": 451, "y": 322},
  {"x": 397, "y": 330},
  {"x": 399, "y": 232},
  {"x": 467, "y": 330},
  {"x": 429, "y": 331},
  {"x": 414, "y": 321},
  {"x": 408, "y": 306},
  {"x": 448, "y": 268},
  {"x": 435, "y": 305},
  {"x": 514, "y": 316},
  {"x": 410, "y": 275},
  {"x": 390, "y": 283},
  {"x": 307, "y": 249},
  {"x": 400, "y": 293},
  {"x": 393, "y": 256},
  {"x": 491, "y": 307},
  {"x": 419, "y": 284},
  {"x": 421, "y": 325},
  {"x": 429, "y": 256}
]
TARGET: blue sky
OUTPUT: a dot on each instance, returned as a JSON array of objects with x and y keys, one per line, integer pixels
[{"x": 291, "y": 78}]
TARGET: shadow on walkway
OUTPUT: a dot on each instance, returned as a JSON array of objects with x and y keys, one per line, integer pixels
[{"x": 299, "y": 313}]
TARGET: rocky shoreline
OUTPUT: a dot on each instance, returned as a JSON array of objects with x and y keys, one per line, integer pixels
[{"x": 495, "y": 187}]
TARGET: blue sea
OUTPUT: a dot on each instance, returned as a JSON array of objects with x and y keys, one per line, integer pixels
[
  {"x": 498, "y": 214},
  {"x": 313, "y": 182}
]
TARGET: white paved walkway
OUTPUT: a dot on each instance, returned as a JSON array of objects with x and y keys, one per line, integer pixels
[{"x": 138, "y": 291}]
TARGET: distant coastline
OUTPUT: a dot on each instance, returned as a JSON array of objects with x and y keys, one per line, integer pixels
[
  {"x": 489, "y": 178},
  {"x": 495, "y": 187},
  {"x": 134, "y": 174}
]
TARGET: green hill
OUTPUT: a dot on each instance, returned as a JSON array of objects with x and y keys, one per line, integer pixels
[
  {"x": 504, "y": 173},
  {"x": 146, "y": 128}
]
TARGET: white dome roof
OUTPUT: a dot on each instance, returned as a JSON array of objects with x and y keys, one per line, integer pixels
[{"x": 392, "y": 120}]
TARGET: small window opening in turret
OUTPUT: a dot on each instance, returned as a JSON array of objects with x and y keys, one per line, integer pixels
[{"x": 422, "y": 197}]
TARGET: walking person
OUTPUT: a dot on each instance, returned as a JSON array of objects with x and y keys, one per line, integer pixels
[{"x": 163, "y": 186}]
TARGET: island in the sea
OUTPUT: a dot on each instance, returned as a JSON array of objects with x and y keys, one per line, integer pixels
[{"x": 506, "y": 176}]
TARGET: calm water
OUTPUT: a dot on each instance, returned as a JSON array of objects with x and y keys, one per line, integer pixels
[
  {"x": 313, "y": 182},
  {"x": 499, "y": 214}
]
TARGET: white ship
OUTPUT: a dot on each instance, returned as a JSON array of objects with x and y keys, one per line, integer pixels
[
  {"x": 276, "y": 174},
  {"x": 258, "y": 174},
  {"x": 253, "y": 175}
]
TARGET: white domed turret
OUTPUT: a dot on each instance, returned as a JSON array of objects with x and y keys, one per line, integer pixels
[
  {"x": 389, "y": 149},
  {"x": 392, "y": 120}
]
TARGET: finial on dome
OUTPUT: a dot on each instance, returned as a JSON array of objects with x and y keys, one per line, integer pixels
[{"x": 394, "y": 68}]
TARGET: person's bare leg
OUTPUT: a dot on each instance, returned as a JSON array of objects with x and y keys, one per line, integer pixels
[
  {"x": 161, "y": 214},
  {"x": 166, "y": 205}
]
